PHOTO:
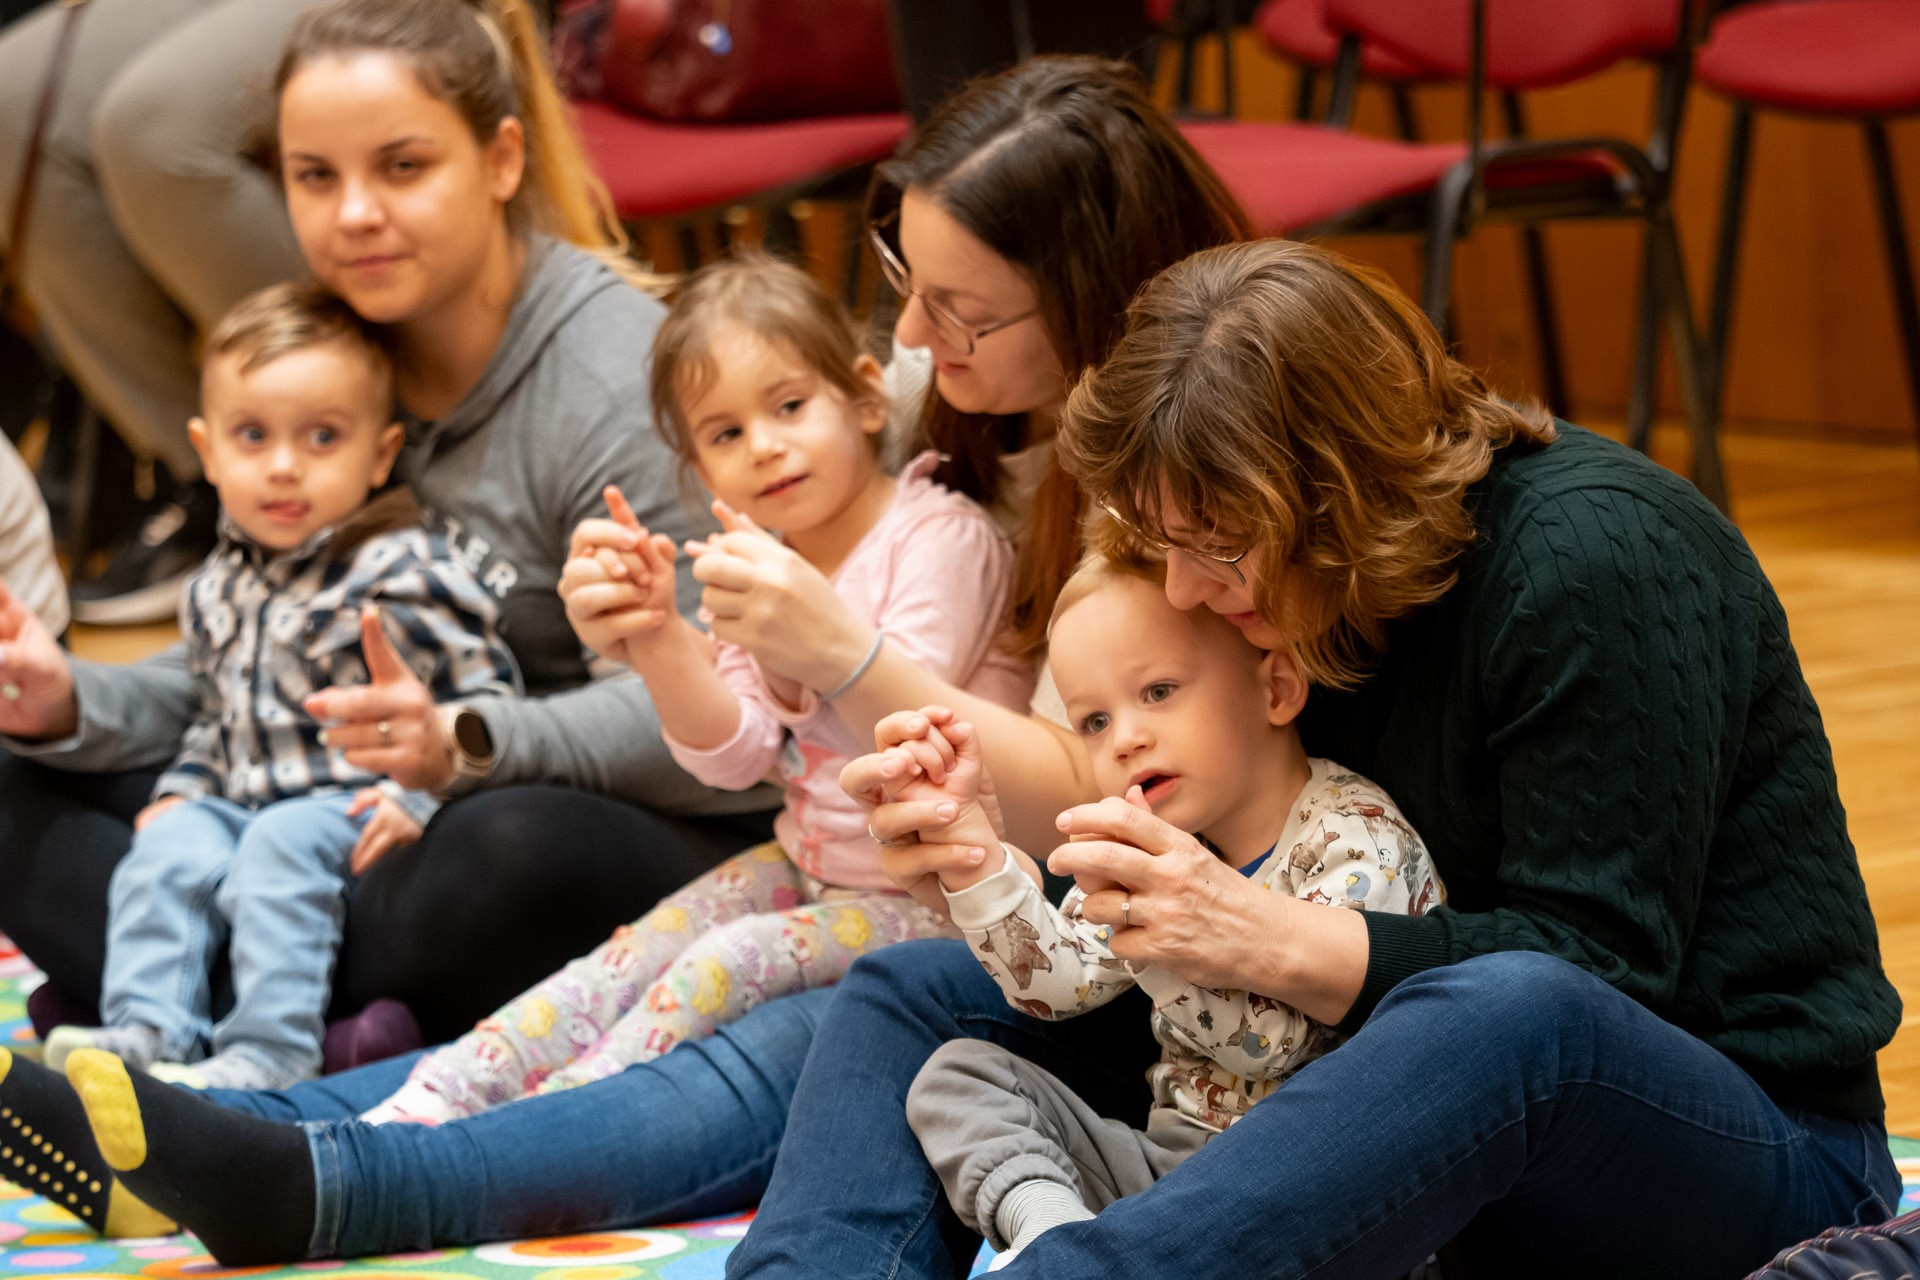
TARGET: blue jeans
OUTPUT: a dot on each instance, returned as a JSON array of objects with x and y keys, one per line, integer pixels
[
  {"x": 1513, "y": 1101},
  {"x": 690, "y": 1134},
  {"x": 266, "y": 885}
]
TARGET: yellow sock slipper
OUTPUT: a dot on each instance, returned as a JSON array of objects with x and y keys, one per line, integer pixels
[
  {"x": 244, "y": 1185},
  {"x": 46, "y": 1149},
  {"x": 112, "y": 1109}
]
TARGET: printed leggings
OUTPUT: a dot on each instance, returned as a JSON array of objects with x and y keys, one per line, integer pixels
[{"x": 753, "y": 929}]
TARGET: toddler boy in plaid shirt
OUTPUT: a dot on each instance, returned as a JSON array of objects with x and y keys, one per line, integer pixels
[{"x": 247, "y": 842}]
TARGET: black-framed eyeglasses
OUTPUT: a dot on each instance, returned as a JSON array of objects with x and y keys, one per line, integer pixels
[
  {"x": 953, "y": 331},
  {"x": 1211, "y": 562}
]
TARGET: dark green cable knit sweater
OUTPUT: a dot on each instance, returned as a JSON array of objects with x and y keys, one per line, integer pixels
[{"x": 1603, "y": 735}]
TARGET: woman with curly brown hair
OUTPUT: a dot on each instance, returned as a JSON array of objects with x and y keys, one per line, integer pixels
[{"x": 1657, "y": 972}]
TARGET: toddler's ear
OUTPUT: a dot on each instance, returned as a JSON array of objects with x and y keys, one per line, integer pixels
[
  {"x": 875, "y": 408},
  {"x": 392, "y": 436},
  {"x": 199, "y": 433},
  {"x": 1286, "y": 686}
]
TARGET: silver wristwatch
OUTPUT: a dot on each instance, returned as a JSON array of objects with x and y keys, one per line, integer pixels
[{"x": 469, "y": 743}]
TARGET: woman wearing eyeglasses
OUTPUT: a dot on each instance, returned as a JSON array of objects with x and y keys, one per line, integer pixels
[
  {"x": 1016, "y": 226},
  {"x": 1639, "y": 1038}
]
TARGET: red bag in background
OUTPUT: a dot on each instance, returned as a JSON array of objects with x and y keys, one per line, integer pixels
[{"x": 720, "y": 60}]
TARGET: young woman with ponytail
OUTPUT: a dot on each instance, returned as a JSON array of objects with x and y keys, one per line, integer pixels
[{"x": 434, "y": 181}]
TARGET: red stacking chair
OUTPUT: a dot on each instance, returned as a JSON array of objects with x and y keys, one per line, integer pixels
[
  {"x": 659, "y": 169},
  {"x": 1297, "y": 31},
  {"x": 1305, "y": 179},
  {"x": 1832, "y": 59}
]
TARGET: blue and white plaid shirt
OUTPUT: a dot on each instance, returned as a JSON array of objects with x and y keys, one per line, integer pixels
[{"x": 265, "y": 630}]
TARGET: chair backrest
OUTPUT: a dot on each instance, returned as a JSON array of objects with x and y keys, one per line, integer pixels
[{"x": 1530, "y": 44}]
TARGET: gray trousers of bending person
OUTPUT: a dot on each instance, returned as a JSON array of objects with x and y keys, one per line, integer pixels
[
  {"x": 989, "y": 1120},
  {"x": 147, "y": 222}
]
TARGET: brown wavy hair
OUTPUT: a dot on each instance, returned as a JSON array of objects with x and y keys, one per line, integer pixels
[
  {"x": 1281, "y": 397},
  {"x": 1064, "y": 167},
  {"x": 488, "y": 60}
]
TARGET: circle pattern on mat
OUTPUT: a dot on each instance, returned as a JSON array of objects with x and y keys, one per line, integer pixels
[
  {"x": 419, "y": 1259},
  {"x": 599, "y": 1249},
  {"x": 730, "y": 1228},
  {"x": 590, "y": 1273},
  {"x": 58, "y": 1259},
  {"x": 196, "y": 1266}
]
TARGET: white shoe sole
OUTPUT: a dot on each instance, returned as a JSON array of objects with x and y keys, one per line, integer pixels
[{"x": 157, "y": 603}]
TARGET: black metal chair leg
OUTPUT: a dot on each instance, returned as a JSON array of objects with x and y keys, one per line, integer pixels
[
  {"x": 1403, "y": 117},
  {"x": 1726, "y": 255},
  {"x": 1899, "y": 261},
  {"x": 1646, "y": 349},
  {"x": 1304, "y": 94},
  {"x": 1449, "y": 202},
  {"x": 1546, "y": 317},
  {"x": 1670, "y": 280}
]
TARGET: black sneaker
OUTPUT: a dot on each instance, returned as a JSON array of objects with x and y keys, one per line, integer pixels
[{"x": 144, "y": 574}]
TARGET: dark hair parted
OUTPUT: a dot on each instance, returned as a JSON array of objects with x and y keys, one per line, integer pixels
[
  {"x": 488, "y": 60},
  {"x": 1064, "y": 167},
  {"x": 1279, "y": 397},
  {"x": 775, "y": 301}
]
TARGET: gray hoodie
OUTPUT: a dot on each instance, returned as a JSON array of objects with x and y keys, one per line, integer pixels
[{"x": 560, "y": 412}]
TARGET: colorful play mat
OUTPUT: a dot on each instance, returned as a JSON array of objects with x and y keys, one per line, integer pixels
[{"x": 37, "y": 1239}]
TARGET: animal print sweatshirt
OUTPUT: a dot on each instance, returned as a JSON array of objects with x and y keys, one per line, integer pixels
[{"x": 1345, "y": 845}]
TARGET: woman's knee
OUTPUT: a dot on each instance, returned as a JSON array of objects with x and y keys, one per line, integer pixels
[{"x": 1524, "y": 1000}]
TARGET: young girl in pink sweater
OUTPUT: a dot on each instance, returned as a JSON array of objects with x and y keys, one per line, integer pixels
[{"x": 760, "y": 386}]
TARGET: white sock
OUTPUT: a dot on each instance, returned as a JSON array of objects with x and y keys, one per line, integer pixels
[
  {"x": 1032, "y": 1207},
  {"x": 134, "y": 1045},
  {"x": 236, "y": 1068},
  {"x": 413, "y": 1103}
]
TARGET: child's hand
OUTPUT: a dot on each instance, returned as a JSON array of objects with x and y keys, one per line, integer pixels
[
  {"x": 389, "y": 830},
  {"x": 618, "y": 582},
  {"x": 767, "y": 598},
  {"x": 154, "y": 810},
  {"x": 944, "y": 764}
]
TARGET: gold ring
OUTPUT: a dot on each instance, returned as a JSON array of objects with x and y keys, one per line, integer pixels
[
  {"x": 386, "y": 732},
  {"x": 1126, "y": 912}
]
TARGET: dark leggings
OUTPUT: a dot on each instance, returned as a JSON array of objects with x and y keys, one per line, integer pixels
[{"x": 503, "y": 888}]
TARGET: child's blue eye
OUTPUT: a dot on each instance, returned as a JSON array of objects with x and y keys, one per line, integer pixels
[
  {"x": 249, "y": 434},
  {"x": 324, "y": 436},
  {"x": 1159, "y": 691},
  {"x": 1095, "y": 723}
]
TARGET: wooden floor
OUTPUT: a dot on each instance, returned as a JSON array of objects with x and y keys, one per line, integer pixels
[{"x": 1837, "y": 527}]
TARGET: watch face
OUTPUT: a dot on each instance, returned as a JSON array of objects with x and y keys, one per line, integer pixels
[{"x": 471, "y": 736}]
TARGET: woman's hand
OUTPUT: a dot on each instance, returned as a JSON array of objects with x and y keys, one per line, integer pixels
[
  {"x": 1191, "y": 913},
  {"x": 388, "y": 726},
  {"x": 36, "y": 683},
  {"x": 617, "y": 582},
  {"x": 389, "y": 830},
  {"x": 766, "y": 598}
]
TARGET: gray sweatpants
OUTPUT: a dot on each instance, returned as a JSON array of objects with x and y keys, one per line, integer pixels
[
  {"x": 989, "y": 1120},
  {"x": 147, "y": 225}
]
